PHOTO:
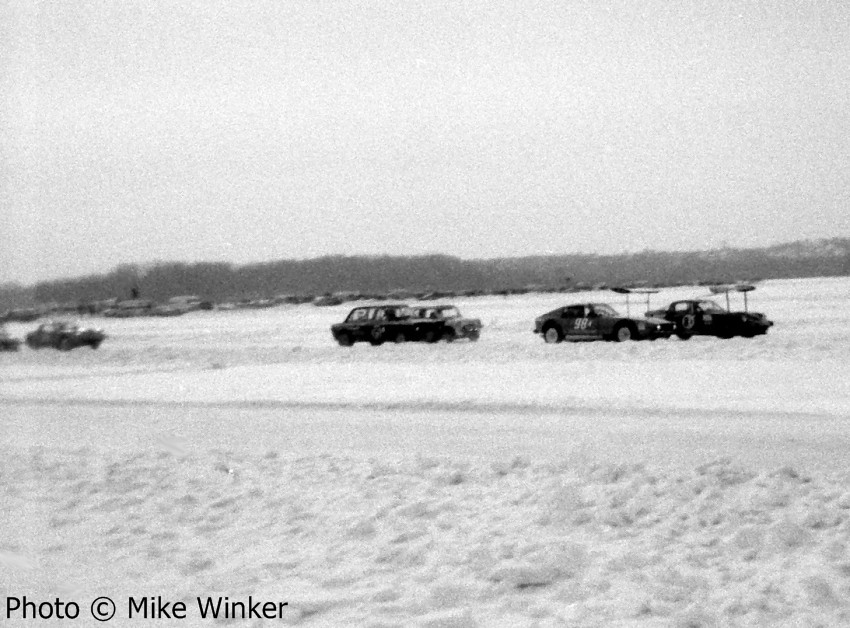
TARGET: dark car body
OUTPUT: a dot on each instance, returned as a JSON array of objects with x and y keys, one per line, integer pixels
[
  {"x": 64, "y": 336},
  {"x": 701, "y": 317},
  {"x": 7, "y": 342},
  {"x": 456, "y": 325},
  {"x": 377, "y": 324},
  {"x": 598, "y": 321}
]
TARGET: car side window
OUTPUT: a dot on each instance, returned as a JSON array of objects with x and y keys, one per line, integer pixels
[
  {"x": 380, "y": 315},
  {"x": 682, "y": 307},
  {"x": 575, "y": 311},
  {"x": 358, "y": 315}
]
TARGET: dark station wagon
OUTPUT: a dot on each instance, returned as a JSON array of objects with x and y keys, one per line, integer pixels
[{"x": 377, "y": 324}]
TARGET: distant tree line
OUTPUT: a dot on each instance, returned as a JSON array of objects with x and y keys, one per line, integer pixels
[{"x": 382, "y": 274}]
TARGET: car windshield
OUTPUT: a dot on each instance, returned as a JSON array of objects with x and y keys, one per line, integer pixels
[
  {"x": 357, "y": 315},
  {"x": 710, "y": 306},
  {"x": 603, "y": 309}
]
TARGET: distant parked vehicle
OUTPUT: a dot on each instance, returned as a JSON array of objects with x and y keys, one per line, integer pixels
[
  {"x": 703, "y": 317},
  {"x": 129, "y": 308},
  {"x": 377, "y": 324},
  {"x": 64, "y": 336},
  {"x": 7, "y": 342},
  {"x": 456, "y": 325},
  {"x": 20, "y": 315},
  {"x": 598, "y": 321}
]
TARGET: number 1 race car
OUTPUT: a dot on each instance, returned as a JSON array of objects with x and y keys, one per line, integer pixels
[
  {"x": 598, "y": 321},
  {"x": 701, "y": 317}
]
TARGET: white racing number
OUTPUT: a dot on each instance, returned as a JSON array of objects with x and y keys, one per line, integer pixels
[{"x": 581, "y": 323}]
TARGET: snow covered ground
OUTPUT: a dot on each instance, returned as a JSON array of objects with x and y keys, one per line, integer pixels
[{"x": 499, "y": 483}]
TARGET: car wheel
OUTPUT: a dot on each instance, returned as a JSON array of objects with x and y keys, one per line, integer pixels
[
  {"x": 474, "y": 336},
  {"x": 623, "y": 333},
  {"x": 344, "y": 340},
  {"x": 449, "y": 334},
  {"x": 682, "y": 331},
  {"x": 95, "y": 344},
  {"x": 377, "y": 336},
  {"x": 552, "y": 335},
  {"x": 64, "y": 344},
  {"x": 400, "y": 338},
  {"x": 431, "y": 336}
]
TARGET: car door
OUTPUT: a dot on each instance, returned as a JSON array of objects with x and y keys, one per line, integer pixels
[
  {"x": 686, "y": 317},
  {"x": 576, "y": 322},
  {"x": 359, "y": 324}
]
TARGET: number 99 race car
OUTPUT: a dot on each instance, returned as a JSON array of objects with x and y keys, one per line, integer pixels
[{"x": 598, "y": 321}]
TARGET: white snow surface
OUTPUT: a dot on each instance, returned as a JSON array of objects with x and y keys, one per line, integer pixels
[{"x": 500, "y": 483}]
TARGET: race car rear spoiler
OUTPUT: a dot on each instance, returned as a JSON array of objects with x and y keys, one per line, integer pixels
[
  {"x": 628, "y": 291},
  {"x": 735, "y": 287}
]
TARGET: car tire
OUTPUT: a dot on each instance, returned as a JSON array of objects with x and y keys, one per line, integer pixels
[
  {"x": 376, "y": 338},
  {"x": 474, "y": 336},
  {"x": 449, "y": 334},
  {"x": 431, "y": 336},
  {"x": 624, "y": 333},
  {"x": 552, "y": 334},
  {"x": 400, "y": 338},
  {"x": 64, "y": 344},
  {"x": 95, "y": 345},
  {"x": 681, "y": 331},
  {"x": 344, "y": 340}
]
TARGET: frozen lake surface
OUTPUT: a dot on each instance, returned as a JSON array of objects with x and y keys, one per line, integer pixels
[{"x": 504, "y": 482}]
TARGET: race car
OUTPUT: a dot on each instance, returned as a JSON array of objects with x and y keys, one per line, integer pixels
[
  {"x": 64, "y": 336},
  {"x": 456, "y": 325},
  {"x": 378, "y": 324},
  {"x": 598, "y": 321},
  {"x": 703, "y": 317}
]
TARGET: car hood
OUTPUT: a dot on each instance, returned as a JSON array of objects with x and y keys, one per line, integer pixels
[
  {"x": 652, "y": 320},
  {"x": 463, "y": 321}
]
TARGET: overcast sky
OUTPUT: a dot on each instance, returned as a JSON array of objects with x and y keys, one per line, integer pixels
[{"x": 249, "y": 131}]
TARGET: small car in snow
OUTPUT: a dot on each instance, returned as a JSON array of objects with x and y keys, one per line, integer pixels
[
  {"x": 378, "y": 324},
  {"x": 64, "y": 336},
  {"x": 7, "y": 342},
  {"x": 456, "y": 325},
  {"x": 702, "y": 317},
  {"x": 598, "y": 321}
]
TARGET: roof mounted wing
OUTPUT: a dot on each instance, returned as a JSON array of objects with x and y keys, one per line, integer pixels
[
  {"x": 735, "y": 287},
  {"x": 628, "y": 291}
]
